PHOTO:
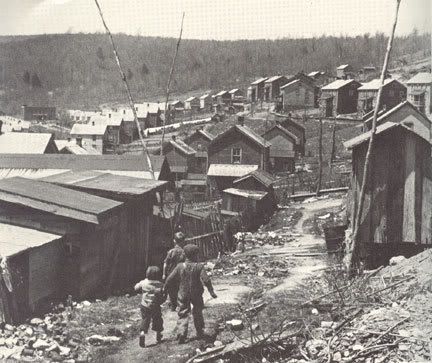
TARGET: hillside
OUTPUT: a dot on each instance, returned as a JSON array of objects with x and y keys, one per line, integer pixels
[{"x": 78, "y": 70}]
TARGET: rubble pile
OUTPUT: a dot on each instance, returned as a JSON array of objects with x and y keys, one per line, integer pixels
[
  {"x": 276, "y": 237},
  {"x": 51, "y": 338}
]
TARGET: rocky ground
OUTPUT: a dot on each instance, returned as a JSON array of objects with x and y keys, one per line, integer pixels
[{"x": 282, "y": 299}]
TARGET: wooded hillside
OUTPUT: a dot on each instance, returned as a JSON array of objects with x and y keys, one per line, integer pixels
[{"x": 78, "y": 70}]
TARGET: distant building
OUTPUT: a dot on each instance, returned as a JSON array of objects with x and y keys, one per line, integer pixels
[
  {"x": 90, "y": 135},
  {"x": 13, "y": 124},
  {"x": 344, "y": 71},
  {"x": 199, "y": 140},
  {"x": 206, "y": 102},
  {"x": 236, "y": 94},
  {"x": 223, "y": 98},
  {"x": 38, "y": 113},
  {"x": 27, "y": 143},
  {"x": 192, "y": 103},
  {"x": 367, "y": 73},
  {"x": 272, "y": 88},
  {"x": 393, "y": 93},
  {"x": 181, "y": 158},
  {"x": 320, "y": 77},
  {"x": 256, "y": 90},
  {"x": 298, "y": 93},
  {"x": 297, "y": 131},
  {"x": 339, "y": 97},
  {"x": 283, "y": 148},
  {"x": 420, "y": 92},
  {"x": 70, "y": 147}
]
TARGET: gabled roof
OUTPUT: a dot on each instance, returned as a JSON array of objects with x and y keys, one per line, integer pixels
[
  {"x": 15, "y": 239},
  {"x": 260, "y": 175},
  {"x": 115, "y": 120},
  {"x": 206, "y": 134},
  {"x": 88, "y": 129},
  {"x": 375, "y": 84},
  {"x": 24, "y": 142},
  {"x": 421, "y": 78},
  {"x": 221, "y": 93},
  {"x": 145, "y": 108},
  {"x": 259, "y": 80},
  {"x": 105, "y": 182},
  {"x": 274, "y": 78},
  {"x": 343, "y": 66},
  {"x": 73, "y": 148},
  {"x": 315, "y": 73},
  {"x": 205, "y": 96},
  {"x": 230, "y": 170},
  {"x": 234, "y": 90},
  {"x": 252, "y": 135},
  {"x": 55, "y": 199},
  {"x": 295, "y": 82},
  {"x": 192, "y": 98},
  {"x": 335, "y": 85},
  {"x": 251, "y": 194},
  {"x": 284, "y": 131}
]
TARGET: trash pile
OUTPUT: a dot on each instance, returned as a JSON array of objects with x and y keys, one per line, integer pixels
[
  {"x": 276, "y": 237},
  {"x": 250, "y": 265},
  {"x": 51, "y": 338}
]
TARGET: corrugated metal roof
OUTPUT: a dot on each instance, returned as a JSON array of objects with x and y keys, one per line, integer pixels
[
  {"x": 261, "y": 175},
  {"x": 375, "y": 84},
  {"x": 259, "y": 80},
  {"x": 252, "y": 194},
  {"x": 231, "y": 170},
  {"x": 421, "y": 78},
  {"x": 117, "y": 184},
  {"x": 81, "y": 162},
  {"x": 335, "y": 85},
  {"x": 88, "y": 129},
  {"x": 55, "y": 199},
  {"x": 15, "y": 239},
  {"x": 24, "y": 143}
]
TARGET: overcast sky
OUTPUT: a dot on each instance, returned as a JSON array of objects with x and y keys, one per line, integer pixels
[{"x": 215, "y": 19}]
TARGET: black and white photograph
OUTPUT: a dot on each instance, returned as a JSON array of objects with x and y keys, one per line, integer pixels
[{"x": 187, "y": 181}]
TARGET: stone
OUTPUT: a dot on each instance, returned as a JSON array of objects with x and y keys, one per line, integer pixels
[
  {"x": 235, "y": 324},
  {"x": 29, "y": 331},
  {"x": 9, "y": 327},
  {"x": 403, "y": 347},
  {"x": 357, "y": 347},
  {"x": 2, "y": 342},
  {"x": 326, "y": 324},
  {"x": 27, "y": 352},
  {"x": 99, "y": 339},
  {"x": 396, "y": 259},
  {"x": 85, "y": 303},
  {"x": 314, "y": 346},
  {"x": 217, "y": 343},
  {"x": 53, "y": 347},
  {"x": 65, "y": 351},
  {"x": 314, "y": 311},
  {"x": 10, "y": 342},
  {"x": 337, "y": 357},
  {"x": 41, "y": 344},
  {"x": 36, "y": 321}
]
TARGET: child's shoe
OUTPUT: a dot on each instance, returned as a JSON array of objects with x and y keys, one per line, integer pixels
[{"x": 142, "y": 340}]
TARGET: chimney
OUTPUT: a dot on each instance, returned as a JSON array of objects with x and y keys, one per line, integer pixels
[
  {"x": 240, "y": 120},
  {"x": 1, "y": 124}
]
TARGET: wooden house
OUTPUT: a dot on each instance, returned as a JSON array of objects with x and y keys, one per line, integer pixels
[
  {"x": 321, "y": 78},
  {"x": 222, "y": 176},
  {"x": 256, "y": 180},
  {"x": 296, "y": 130},
  {"x": 420, "y": 92},
  {"x": 37, "y": 166},
  {"x": 92, "y": 228},
  {"x": 272, "y": 88},
  {"x": 69, "y": 147},
  {"x": 344, "y": 71},
  {"x": 192, "y": 103},
  {"x": 236, "y": 94},
  {"x": 284, "y": 146},
  {"x": 397, "y": 214},
  {"x": 223, "y": 98},
  {"x": 116, "y": 132},
  {"x": 339, "y": 97},
  {"x": 256, "y": 92},
  {"x": 138, "y": 197},
  {"x": 27, "y": 143},
  {"x": 181, "y": 158},
  {"x": 38, "y": 113},
  {"x": 298, "y": 94},
  {"x": 90, "y": 135},
  {"x": 406, "y": 114},
  {"x": 239, "y": 145},
  {"x": 206, "y": 102},
  {"x": 367, "y": 73},
  {"x": 393, "y": 93},
  {"x": 199, "y": 140}
]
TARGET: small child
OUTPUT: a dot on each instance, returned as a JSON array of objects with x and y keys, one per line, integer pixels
[{"x": 152, "y": 298}]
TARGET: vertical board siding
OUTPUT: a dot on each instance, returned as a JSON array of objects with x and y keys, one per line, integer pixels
[{"x": 409, "y": 222}]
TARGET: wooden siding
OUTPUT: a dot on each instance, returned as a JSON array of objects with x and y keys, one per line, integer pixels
[{"x": 393, "y": 94}]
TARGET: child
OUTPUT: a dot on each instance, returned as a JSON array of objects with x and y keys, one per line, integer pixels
[{"x": 152, "y": 298}]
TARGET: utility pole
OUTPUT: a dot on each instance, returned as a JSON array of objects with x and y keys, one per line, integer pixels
[{"x": 319, "y": 157}]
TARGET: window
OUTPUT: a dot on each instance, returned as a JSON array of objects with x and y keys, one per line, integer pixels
[
  {"x": 94, "y": 137},
  {"x": 236, "y": 155}
]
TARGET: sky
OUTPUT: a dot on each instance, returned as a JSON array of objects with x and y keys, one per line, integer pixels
[{"x": 220, "y": 19}]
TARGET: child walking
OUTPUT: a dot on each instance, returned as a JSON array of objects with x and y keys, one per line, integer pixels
[{"x": 151, "y": 301}]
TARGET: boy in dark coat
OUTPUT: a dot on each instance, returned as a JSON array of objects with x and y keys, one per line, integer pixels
[
  {"x": 190, "y": 277},
  {"x": 173, "y": 258},
  {"x": 151, "y": 300}
]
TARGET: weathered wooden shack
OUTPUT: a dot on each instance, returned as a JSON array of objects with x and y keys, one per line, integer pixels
[
  {"x": 339, "y": 97},
  {"x": 221, "y": 176},
  {"x": 206, "y": 102},
  {"x": 181, "y": 158},
  {"x": 138, "y": 197},
  {"x": 397, "y": 214},
  {"x": 92, "y": 228},
  {"x": 393, "y": 93},
  {"x": 256, "y": 92},
  {"x": 420, "y": 92},
  {"x": 344, "y": 71},
  {"x": 272, "y": 87},
  {"x": 199, "y": 140},
  {"x": 192, "y": 103},
  {"x": 284, "y": 146},
  {"x": 34, "y": 260},
  {"x": 297, "y": 130},
  {"x": 298, "y": 93},
  {"x": 223, "y": 98}
]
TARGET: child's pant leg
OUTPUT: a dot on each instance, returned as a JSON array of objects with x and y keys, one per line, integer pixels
[
  {"x": 157, "y": 321},
  {"x": 183, "y": 318},
  {"x": 146, "y": 316},
  {"x": 197, "y": 313}
]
